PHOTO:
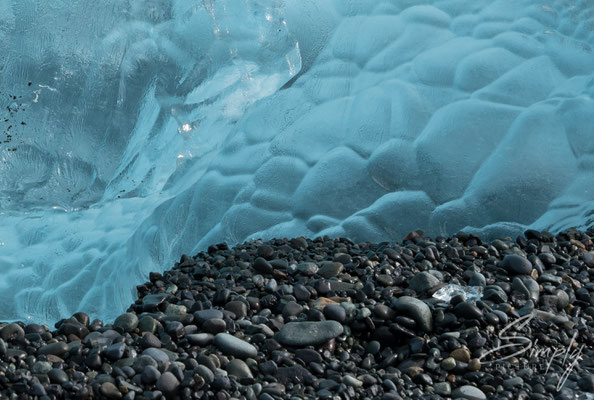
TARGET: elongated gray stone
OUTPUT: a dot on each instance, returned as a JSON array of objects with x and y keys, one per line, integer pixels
[
  {"x": 233, "y": 346},
  {"x": 308, "y": 333}
]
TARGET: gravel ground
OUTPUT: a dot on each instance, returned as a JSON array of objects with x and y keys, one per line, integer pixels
[{"x": 428, "y": 318}]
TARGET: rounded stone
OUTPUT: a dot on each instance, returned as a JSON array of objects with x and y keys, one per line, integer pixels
[
  {"x": 442, "y": 388},
  {"x": 477, "y": 279},
  {"x": 515, "y": 264},
  {"x": 11, "y": 331},
  {"x": 448, "y": 363},
  {"x": 239, "y": 308},
  {"x": 416, "y": 309},
  {"x": 147, "y": 324},
  {"x": 150, "y": 374},
  {"x": 233, "y": 346},
  {"x": 308, "y": 333},
  {"x": 330, "y": 269},
  {"x": 423, "y": 282},
  {"x": 214, "y": 326},
  {"x": 460, "y": 354},
  {"x": 474, "y": 364},
  {"x": 167, "y": 383},
  {"x": 238, "y": 368},
  {"x": 126, "y": 322},
  {"x": 468, "y": 310},
  {"x": 110, "y": 390},
  {"x": 57, "y": 376},
  {"x": 335, "y": 312},
  {"x": 41, "y": 367}
]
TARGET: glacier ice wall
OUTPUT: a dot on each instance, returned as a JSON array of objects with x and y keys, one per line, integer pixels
[{"x": 141, "y": 130}]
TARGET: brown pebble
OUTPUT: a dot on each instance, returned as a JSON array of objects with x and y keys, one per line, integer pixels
[
  {"x": 460, "y": 355},
  {"x": 474, "y": 364}
]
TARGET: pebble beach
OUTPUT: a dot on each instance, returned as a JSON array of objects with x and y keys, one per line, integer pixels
[{"x": 427, "y": 318}]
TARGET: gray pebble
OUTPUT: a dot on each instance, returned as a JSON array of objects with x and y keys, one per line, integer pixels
[{"x": 233, "y": 346}]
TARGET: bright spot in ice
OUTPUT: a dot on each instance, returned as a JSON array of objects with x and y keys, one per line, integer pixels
[{"x": 186, "y": 128}]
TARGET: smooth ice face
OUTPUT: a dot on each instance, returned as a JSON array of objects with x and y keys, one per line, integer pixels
[{"x": 155, "y": 128}]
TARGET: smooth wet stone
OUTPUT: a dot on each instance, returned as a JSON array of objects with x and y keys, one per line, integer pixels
[
  {"x": 562, "y": 298},
  {"x": 307, "y": 268},
  {"x": 200, "y": 339},
  {"x": 477, "y": 279},
  {"x": 214, "y": 326},
  {"x": 205, "y": 373},
  {"x": 234, "y": 346},
  {"x": 110, "y": 390},
  {"x": 41, "y": 367},
  {"x": 468, "y": 310},
  {"x": 292, "y": 309},
  {"x": 167, "y": 383},
  {"x": 147, "y": 324},
  {"x": 150, "y": 374},
  {"x": 469, "y": 393},
  {"x": 57, "y": 376},
  {"x": 423, "y": 282},
  {"x": 308, "y": 355},
  {"x": 352, "y": 381},
  {"x": 238, "y": 368},
  {"x": 533, "y": 288},
  {"x": 330, "y": 269},
  {"x": 460, "y": 354},
  {"x": 56, "y": 349},
  {"x": 204, "y": 315},
  {"x": 149, "y": 340},
  {"x": 335, "y": 312},
  {"x": 239, "y": 308},
  {"x": 515, "y": 264},
  {"x": 152, "y": 301},
  {"x": 262, "y": 266},
  {"x": 115, "y": 351},
  {"x": 550, "y": 278},
  {"x": 300, "y": 334},
  {"x": 126, "y": 322},
  {"x": 11, "y": 331},
  {"x": 175, "y": 309},
  {"x": 474, "y": 364},
  {"x": 416, "y": 309},
  {"x": 442, "y": 388},
  {"x": 156, "y": 354},
  {"x": 495, "y": 294},
  {"x": 448, "y": 363}
]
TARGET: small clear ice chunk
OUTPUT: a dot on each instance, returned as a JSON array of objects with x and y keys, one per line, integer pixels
[{"x": 470, "y": 293}]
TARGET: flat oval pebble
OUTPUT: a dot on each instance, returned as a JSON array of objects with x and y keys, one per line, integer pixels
[
  {"x": 307, "y": 333},
  {"x": 469, "y": 393},
  {"x": 234, "y": 346}
]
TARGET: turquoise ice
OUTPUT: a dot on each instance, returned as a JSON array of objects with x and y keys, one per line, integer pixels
[{"x": 157, "y": 127}]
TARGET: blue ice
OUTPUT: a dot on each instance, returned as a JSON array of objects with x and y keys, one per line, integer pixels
[{"x": 144, "y": 129}]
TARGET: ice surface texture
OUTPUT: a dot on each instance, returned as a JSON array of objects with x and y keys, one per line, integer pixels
[{"x": 157, "y": 127}]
